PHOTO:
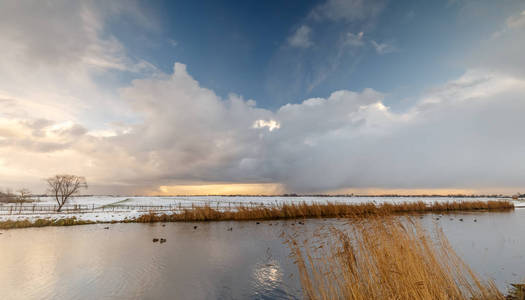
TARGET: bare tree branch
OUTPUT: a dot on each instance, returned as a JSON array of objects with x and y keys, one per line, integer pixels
[
  {"x": 64, "y": 186},
  {"x": 24, "y": 195}
]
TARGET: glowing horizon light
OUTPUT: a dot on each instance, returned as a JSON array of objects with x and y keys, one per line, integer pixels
[{"x": 222, "y": 189}]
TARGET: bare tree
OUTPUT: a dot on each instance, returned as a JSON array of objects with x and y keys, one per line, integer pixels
[
  {"x": 23, "y": 195},
  {"x": 64, "y": 186}
]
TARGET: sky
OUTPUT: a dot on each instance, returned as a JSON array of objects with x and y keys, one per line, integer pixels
[{"x": 264, "y": 97}]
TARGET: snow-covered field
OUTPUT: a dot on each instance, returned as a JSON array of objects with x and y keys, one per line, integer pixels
[
  {"x": 113, "y": 208},
  {"x": 231, "y": 200}
]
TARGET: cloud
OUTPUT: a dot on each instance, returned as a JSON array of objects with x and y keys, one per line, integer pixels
[
  {"x": 460, "y": 135},
  {"x": 516, "y": 21},
  {"x": 354, "y": 40},
  {"x": 502, "y": 52},
  {"x": 383, "y": 48},
  {"x": 271, "y": 124},
  {"x": 165, "y": 130},
  {"x": 339, "y": 28},
  {"x": 458, "y": 141},
  {"x": 55, "y": 53},
  {"x": 347, "y": 10},
  {"x": 301, "y": 38},
  {"x": 62, "y": 33},
  {"x": 348, "y": 139}
]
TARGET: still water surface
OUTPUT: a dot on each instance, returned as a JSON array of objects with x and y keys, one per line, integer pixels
[{"x": 212, "y": 262}]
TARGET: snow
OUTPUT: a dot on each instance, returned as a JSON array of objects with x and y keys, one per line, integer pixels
[{"x": 117, "y": 208}]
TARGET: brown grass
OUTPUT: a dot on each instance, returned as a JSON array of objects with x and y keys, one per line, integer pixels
[
  {"x": 313, "y": 210},
  {"x": 42, "y": 223},
  {"x": 384, "y": 258}
]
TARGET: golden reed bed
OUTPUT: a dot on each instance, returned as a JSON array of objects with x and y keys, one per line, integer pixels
[
  {"x": 315, "y": 210},
  {"x": 282, "y": 211}
]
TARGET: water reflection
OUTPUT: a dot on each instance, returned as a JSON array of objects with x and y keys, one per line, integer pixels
[
  {"x": 268, "y": 275},
  {"x": 267, "y": 282},
  {"x": 88, "y": 262},
  {"x": 212, "y": 262}
]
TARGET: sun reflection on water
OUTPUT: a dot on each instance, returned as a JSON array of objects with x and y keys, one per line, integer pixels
[{"x": 268, "y": 279}]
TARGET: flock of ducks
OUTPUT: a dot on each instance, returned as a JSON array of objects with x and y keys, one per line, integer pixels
[
  {"x": 195, "y": 227},
  {"x": 451, "y": 219},
  {"x": 163, "y": 240}
]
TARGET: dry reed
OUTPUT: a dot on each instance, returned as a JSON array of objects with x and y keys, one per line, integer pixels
[
  {"x": 318, "y": 210},
  {"x": 384, "y": 258},
  {"x": 42, "y": 223}
]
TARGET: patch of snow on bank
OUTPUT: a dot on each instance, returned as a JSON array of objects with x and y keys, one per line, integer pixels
[{"x": 109, "y": 208}]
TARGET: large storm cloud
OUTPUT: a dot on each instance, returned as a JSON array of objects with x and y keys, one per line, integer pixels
[{"x": 165, "y": 129}]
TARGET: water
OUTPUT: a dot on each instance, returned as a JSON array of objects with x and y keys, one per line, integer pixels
[
  {"x": 493, "y": 246},
  {"x": 211, "y": 262}
]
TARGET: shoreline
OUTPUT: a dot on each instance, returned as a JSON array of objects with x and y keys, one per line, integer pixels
[{"x": 278, "y": 212}]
